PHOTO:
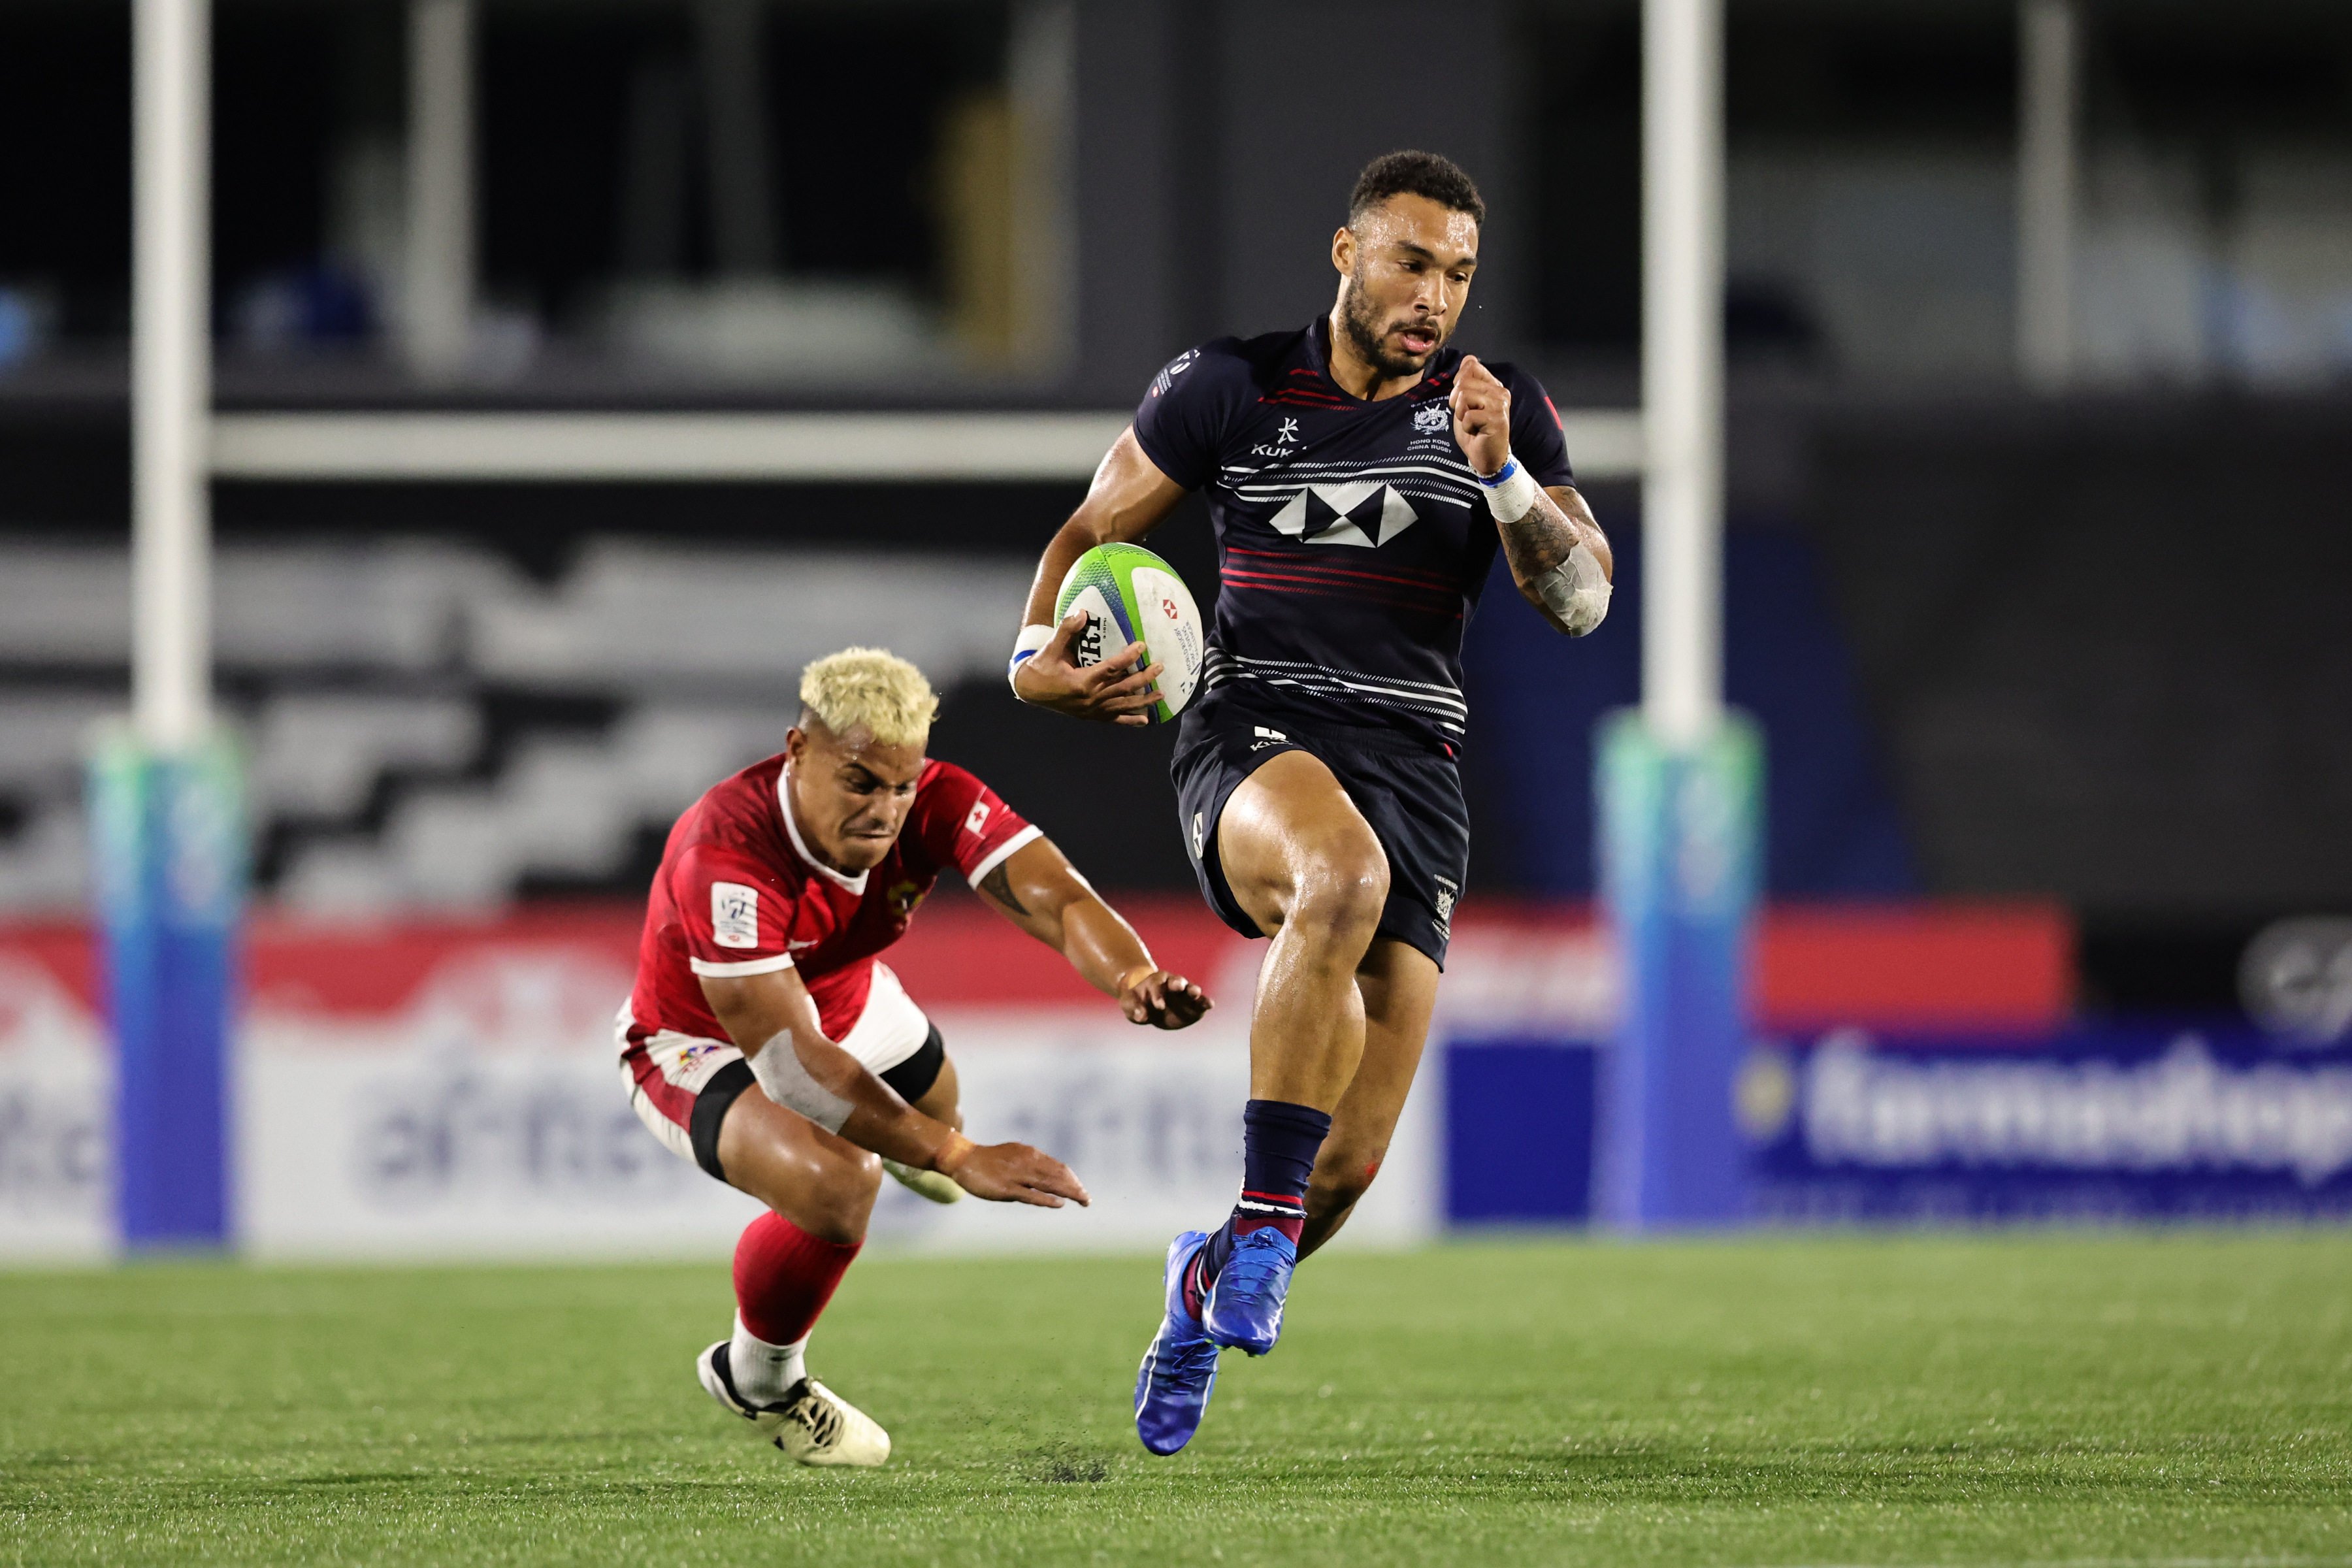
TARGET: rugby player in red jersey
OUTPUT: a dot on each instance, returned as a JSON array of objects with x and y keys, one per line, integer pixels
[{"x": 766, "y": 1042}]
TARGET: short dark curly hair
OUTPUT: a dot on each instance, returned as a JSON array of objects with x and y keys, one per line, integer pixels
[{"x": 1413, "y": 174}]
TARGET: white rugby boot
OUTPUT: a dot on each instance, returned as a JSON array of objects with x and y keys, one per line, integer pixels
[
  {"x": 810, "y": 1424},
  {"x": 924, "y": 1184}
]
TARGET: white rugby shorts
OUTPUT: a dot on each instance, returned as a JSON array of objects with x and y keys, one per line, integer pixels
[{"x": 665, "y": 1071}]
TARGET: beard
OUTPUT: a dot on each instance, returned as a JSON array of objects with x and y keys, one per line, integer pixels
[{"x": 1359, "y": 319}]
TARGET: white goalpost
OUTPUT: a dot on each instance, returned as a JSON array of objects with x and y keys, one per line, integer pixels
[
  {"x": 1682, "y": 367},
  {"x": 171, "y": 375}
]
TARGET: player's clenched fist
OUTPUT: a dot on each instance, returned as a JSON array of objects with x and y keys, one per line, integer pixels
[
  {"x": 1115, "y": 688},
  {"x": 1009, "y": 1173},
  {"x": 1157, "y": 998},
  {"x": 1482, "y": 417}
]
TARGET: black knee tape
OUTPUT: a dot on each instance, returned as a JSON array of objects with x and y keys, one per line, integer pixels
[
  {"x": 711, "y": 1108},
  {"x": 913, "y": 1078}
]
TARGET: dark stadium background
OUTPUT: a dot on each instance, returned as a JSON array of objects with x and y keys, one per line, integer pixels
[
  {"x": 2046, "y": 631},
  {"x": 2000, "y": 647}
]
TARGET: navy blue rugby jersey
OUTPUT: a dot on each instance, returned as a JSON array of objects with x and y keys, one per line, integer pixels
[{"x": 1352, "y": 538}]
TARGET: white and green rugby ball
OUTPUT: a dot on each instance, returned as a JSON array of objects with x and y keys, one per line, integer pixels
[{"x": 1131, "y": 596}]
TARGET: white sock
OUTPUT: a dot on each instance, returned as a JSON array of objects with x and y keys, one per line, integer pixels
[{"x": 764, "y": 1372}]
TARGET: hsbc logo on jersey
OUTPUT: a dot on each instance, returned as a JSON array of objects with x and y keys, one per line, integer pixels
[
  {"x": 734, "y": 914},
  {"x": 1366, "y": 513}
]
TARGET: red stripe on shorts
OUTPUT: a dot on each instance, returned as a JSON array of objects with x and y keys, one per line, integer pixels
[{"x": 675, "y": 1104}]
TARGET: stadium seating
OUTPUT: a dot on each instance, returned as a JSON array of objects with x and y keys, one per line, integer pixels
[
  {"x": 44, "y": 737},
  {"x": 426, "y": 726},
  {"x": 64, "y": 604},
  {"x": 645, "y": 617},
  {"x": 320, "y": 753}
]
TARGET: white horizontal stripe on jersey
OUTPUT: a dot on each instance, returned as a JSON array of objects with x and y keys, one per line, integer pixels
[
  {"x": 1003, "y": 852},
  {"x": 1362, "y": 467},
  {"x": 1262, "y": 484},
  {"x": 1345, "y": 700},
  {"x": 1404, "y": 691},
  {"x": 1343, "y": 694},
  {"x": 1413, "y": 489},
  {"x": 1434, "y": 693},
  {"x": 1267, "y": 490},
  {"x": 1341, "y": 690},
  {"x": 768, "y": 965}
]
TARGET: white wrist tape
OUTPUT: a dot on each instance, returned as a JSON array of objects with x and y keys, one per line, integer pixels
[
  {"x": 1024, "y": 649},
  {"x": 1577, "y": 591},
  {"x": 1511, "y": 491},
  {"x": 779, "y": 1071}
]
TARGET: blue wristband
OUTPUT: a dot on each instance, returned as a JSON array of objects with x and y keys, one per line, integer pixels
[
  {"x": 1501, "y": 476},
  {"x": 1032, "y": 642}
]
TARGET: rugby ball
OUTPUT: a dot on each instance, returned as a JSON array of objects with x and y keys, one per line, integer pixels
[{"x": 1131, "y": 596}]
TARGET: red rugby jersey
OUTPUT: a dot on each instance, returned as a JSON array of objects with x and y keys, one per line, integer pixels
[{"x": 739, "y": 892}]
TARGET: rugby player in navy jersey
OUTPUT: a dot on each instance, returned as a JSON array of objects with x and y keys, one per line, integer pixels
[{"x": 1361, "y": 475}]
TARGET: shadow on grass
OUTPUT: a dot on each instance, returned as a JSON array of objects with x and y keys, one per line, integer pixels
[{"x": 1063, "y": 1463}]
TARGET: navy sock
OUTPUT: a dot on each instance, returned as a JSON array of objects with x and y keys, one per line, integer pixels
[{"x": 1279, "y": 1142}]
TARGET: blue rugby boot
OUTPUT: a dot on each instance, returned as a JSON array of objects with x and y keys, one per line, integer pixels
[
  {"x": 1245, "y": 1305},
  {"x": 1171, "y": 1387}
]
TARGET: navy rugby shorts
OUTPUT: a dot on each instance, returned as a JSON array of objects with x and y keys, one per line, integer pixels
[{"x": 1410, "y": 795}]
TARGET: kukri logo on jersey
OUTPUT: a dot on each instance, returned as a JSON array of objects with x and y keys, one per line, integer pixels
[{"x": 1285, "y": 442}]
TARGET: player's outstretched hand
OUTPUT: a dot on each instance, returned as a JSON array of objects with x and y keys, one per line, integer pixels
[
  {"x": 1482, "y": 417},
  {"x": 1114, "y": 690},
  {"x": 1163, "y": 1000},
  {"x": 1012, "y": 1172}
]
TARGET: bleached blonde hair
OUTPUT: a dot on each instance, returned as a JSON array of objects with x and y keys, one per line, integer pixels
[{"x": 873, "y": 686}]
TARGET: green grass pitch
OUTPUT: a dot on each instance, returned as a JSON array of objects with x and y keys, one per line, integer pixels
[{"x": 2051, "y": 1397}]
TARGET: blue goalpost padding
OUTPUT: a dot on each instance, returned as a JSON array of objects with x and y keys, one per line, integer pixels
[
  {"x": 1679, "y": 833},
  {"x": 169, "y": 849}
]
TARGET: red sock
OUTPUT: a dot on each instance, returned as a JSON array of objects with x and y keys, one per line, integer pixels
[{"x": 784, "y": 1276}]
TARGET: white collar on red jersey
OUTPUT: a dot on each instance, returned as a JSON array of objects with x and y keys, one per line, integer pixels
[{"x": 784, "y": 804}]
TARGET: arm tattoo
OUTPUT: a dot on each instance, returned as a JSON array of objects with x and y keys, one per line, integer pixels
[
  {"x": 1542, "y": 538},
  {"x": 998, "y": 885}
]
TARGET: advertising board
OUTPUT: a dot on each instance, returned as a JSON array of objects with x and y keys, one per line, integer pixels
[
  {"x": 448, "y": 1089},
  {"x": 453, "y": 1091},
  {"x": 2098, "y": 1121}
]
